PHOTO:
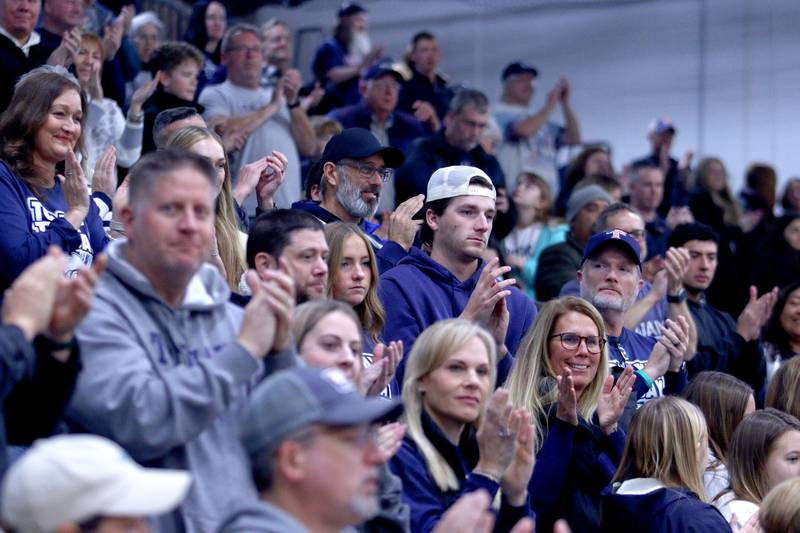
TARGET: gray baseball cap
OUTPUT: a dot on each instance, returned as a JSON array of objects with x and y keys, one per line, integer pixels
[{"x": 297, "y": 397}]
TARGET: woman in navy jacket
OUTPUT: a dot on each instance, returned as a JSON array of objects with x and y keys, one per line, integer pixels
[
  {"x": 446, "y": 393},
  {"x": 658, "y": 487},
  {"x": 560, "y": 377},
  {"x": 42, "y": 204}
]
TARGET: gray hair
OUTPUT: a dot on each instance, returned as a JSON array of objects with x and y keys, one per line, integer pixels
[
  {"x": 601, "y": 224},
  {"x": 143, "y": 19},
  {"x": 51, "y": 69},
  {"x": 468, "y": 98},
  {"x": 235, "y": 31}
]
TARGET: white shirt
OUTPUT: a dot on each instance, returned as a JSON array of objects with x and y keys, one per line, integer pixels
[{"x": 33, "y": 39}]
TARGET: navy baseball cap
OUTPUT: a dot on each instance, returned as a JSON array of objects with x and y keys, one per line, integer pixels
[
  {"x": 614, "y": 237},
  {"x": 350, "y": 8},
  {"x": 518, "y": 68},
  {"x": 383, "y": 68},
  {"x": 358, "y": 143},
  {"x": 300, "y": 396}
]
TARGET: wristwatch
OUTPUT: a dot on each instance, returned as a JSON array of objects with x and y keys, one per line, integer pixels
[{"x": 678, "y": 298}]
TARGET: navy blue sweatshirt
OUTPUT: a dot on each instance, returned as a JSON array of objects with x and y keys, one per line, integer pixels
[
  {"x": 419, "y": 291},
  {"x": 572, "y": 468},
  {"x": 30, "y": 226},
  {"x": 420, "y": 492},
  {"x": 644, "y": 505}
]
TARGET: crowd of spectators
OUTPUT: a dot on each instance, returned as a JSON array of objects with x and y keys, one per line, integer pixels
[{"x": 240, "y": 301}]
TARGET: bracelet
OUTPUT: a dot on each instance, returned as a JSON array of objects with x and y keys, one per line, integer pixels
[
  {"x": 678, "y": 298},
  {"x": 646, "y": 378},
  {"x": 484, "y": 474},
  {"x": 136, "y": 118},
  {"x": 292, "y": 105},
  {"x": 49, "y": 345}
]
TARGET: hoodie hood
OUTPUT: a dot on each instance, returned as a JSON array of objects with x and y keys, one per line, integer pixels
[
  {"x": 206, "y": 290},
  {"x": 440, "y": 275},
  {"x": 261, "y": 517}
]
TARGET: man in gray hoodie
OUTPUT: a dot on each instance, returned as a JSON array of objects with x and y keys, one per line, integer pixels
[{"x": 167, "y": 361}]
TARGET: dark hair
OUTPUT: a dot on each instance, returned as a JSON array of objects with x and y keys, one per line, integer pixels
[
  {"x": 196, "y": 32},
  {"x": 695, "y": 231},
  {"x": 313, "y": 177},
  {"x": 34, "y": 93},
  {"x": 723, "y": 400},
  {"x": 607, "y": 183},
  {"x": 272, "y": 230},
  {"x": 171, "y": 54},
  {"x": 577, "y": 169},
  {"x": 773, "y": 331},
  {"x": 167, "y": 117},
  {"x": 151, "y": 167},
  {"x": 785, "y": 202},
  {"x": 468, "y": 98},
  {"x": 601, "y": 224},
  {"x": 762, "y": 179},
  {"x": 422, "y": 36}
]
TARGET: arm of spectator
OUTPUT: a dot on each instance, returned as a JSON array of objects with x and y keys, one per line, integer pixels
[
  {"x": 302, "y": 132},
  {"x": 343, "y": 73},
  {"x": 572, "y": 131},
  {"x": 642, "y": 306},
  {"x": 425, "y": 113},
  {"x": 67, "y": 52},
  {"x": 144, "y": 402},
  {"x": 527, "y": 127},
  {"x": 676, "y": 263}
]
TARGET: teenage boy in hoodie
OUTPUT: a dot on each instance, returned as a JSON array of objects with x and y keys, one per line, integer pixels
[
  {"x": 355, "y": 165},
  {"x": 314, "y": 459},
  {"x": 452, "y": 281},
  {"x": 167, "y": 361}
]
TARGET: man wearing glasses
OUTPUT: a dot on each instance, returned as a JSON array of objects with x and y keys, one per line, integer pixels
[
  {"x": 256, "y": 120},
  {"x": 355, "y": 167},
  {"x": 610, "y": 278}
]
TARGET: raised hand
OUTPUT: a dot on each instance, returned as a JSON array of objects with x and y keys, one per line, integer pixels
[
  {"x": 257, "y": 333},
  {"x": 402, "y": 226},
  {"x": 73, "y": 300},
  {"x": 390, "y": 438},
  {"x": 76, "y": 191},
  {"x": 385, "y": 360},
  {"x": 497, "y": 435},
  {"x": 613, "y": 399},
  {"x": 516, "y": 477},
  {"x": 104, "y": 178},
  {"x": 271, "y": 178},
  {"x": 279, "y": 287},
  {"x": 498, "y": 326},
  {"x": 292, "y": 82},
  {"x": 756, "y": 313},
  {"x": 676, "y": 263},
  {"x": 95, "y": 87},
  {"x": 67, "y": 52},
  {"x": 675, "y": 338},
  {"x": 141, "y": 95},
  {"x": 28, "y": 303},
  {"x": 567, "y": 404},
  {"x": 425, "y": 113},
  {"x": 488, "y": 291}
]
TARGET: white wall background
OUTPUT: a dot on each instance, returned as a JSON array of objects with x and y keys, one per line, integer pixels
[{"x": 726, "y": 71}]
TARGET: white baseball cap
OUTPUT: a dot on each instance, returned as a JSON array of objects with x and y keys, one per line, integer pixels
[
  {"x": 449, "y": 182},
  {"x": 73, "y": 478}
]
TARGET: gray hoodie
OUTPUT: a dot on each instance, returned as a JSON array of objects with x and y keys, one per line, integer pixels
[
  {"x": 168, "y": 384},
  {"x": 264, "y": 517}
]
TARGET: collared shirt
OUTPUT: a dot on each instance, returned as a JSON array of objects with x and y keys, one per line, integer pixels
[{"x": 33, "y": 39}]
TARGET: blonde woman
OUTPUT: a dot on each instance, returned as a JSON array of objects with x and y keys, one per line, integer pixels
[
  {"x": 658, "y": 487},
  {"x": 780, "y": 511},
  {"x": 764, "y": 451},
  {"x": 560, "y": 377},
  {"x": 460, "y": 437}
]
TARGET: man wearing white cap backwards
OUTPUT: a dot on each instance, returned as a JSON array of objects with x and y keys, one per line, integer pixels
[
  {"x": 83, "y": 483},
  {"x": 452, "y": 280}
]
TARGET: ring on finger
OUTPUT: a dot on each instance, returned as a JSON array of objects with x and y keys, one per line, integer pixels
[{"x": 504, "y": 433}]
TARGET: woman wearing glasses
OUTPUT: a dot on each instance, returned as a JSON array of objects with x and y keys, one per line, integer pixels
[{"x": 561, "y": 378}]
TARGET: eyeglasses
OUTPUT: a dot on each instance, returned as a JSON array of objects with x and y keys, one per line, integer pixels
[
  {"x": 571, "y": 341},
  {"x": 366, "y": 170},
  {"x": 637, "y": 234},
  {"x": 245, "y": 49}
]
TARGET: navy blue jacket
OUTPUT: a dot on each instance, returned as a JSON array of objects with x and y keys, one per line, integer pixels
[
  {"x": 419, "y": 291},
  {"x": 426, "y": 155},
  {"x": 13, "y": 64},
  {"x": 419, "y": 87},
  {"x": 404, "y": 129},
  {"x": 30, "y": 225},
  {"x": 330, "y": 54},
  {"x": 663, "y": 510},
  {"x": 572, "y": 468},
  {"x": 160, "y": 101},
  {"x": 34, "y": 388},
  {"x": 420, "y": 492},
  {"x": 720, "y": 348},
  {"x": 388, "y": 253}
]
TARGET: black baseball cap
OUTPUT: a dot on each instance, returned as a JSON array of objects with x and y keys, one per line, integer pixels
[
  {"x": 347, "y": 9},
  {"x": 518, "y": 68},
  {"x": 358, "y": 143}
]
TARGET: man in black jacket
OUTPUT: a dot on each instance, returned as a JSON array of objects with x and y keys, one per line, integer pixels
[
  {"x": 456, "y": 144},
  {"x": 722, "y": 344}
]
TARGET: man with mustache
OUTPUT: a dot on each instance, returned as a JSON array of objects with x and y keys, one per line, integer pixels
[
  {"x": 355, "y": 166},
  {"x": 452, "y": 280},
  {"x": 610, "y": 278}
]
